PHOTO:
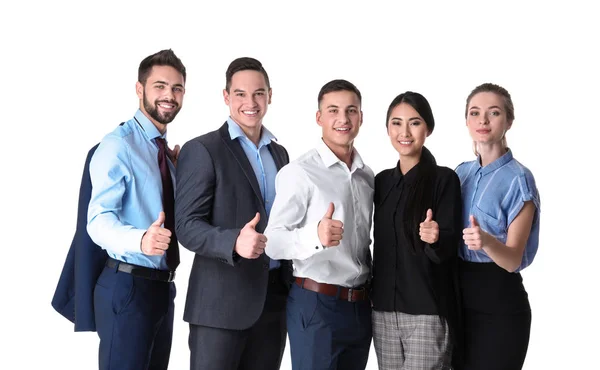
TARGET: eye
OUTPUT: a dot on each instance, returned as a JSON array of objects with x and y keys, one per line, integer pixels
[
  {"x": 333, "y": 111},
  {"x": 395, "y": 123},
  {"x": 474, "y": 113},
  {"x": 260, "y": 93},
  {"x": 178, "y": 89},
  {"x": 239, "y": 94},
  {"x": 415, "y": 123},
  {"x": 495, "y": 113},
  {"x": 160, "y": 87},
  {"x": 352, "y": 110}
]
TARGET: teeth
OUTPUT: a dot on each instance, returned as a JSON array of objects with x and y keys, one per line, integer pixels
[
  {"x": 250, "y": 112},
  {"x": 342, "y": 129},
  {"x": 406, "y": 142},
  {"x": 168, "y": 106}
]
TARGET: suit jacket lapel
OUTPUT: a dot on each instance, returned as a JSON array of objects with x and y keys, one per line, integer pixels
[
  {"x": 275, "y": 153},
  {"x": 240, "y": 156}
]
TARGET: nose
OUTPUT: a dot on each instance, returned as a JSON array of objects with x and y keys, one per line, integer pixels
[
  {"x": 405, "y": 130},
  {"x": 250, "y": 100},
  {"x": 484, "y": 119}
]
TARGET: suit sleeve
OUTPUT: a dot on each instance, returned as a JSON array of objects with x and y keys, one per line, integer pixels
[
  {"x": 194, "y": 198},
  {"x": 448, "y": 214}
]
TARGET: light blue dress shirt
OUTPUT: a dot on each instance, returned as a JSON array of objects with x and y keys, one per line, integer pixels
[
  {"x": 126, "y": 191},
  {"x": 495, "y": 194},
  {"x": 262, "y": 163}
]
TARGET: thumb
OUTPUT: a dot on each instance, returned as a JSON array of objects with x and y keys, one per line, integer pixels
[
  {"x": 330, "y": 210},
  {"x": 160, "y": 220},
  {"x": 429, "y": 216},
  {"x": 254, "y": 221},
  {"x": 176, "y": 151},
  {"x": 474, "y": 222}
]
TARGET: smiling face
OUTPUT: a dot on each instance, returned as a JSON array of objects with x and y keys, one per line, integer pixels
[
  {"x": 487, "y": 118},
  {"x": 248, "y": 99},
  {"x": 340, "y": 117},
  {"x": 407, "y": 131},
  {"x": 161, "y": 97}
]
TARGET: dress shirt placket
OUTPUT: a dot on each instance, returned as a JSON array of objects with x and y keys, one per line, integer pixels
[{"x": 355, "y": 206}]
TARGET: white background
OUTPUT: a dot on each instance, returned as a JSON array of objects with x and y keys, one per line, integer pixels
[{"x": 68, "y": 73}]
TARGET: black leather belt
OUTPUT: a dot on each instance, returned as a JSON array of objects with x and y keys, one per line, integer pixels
[{"x": 141, "y": 271}]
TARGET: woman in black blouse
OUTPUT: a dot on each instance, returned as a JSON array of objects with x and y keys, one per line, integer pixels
[{"x": 417, "y": 230}]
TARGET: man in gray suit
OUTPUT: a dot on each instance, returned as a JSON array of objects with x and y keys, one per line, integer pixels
[{"x": 225, "y": 189}]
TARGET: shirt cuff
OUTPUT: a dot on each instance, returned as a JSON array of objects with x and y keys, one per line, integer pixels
[{"x": 309, "y": 237}]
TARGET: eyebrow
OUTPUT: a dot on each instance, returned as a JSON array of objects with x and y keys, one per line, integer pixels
[
  {"x": 335, "y": 106},
  {"x": 410, "y": 119},
  {"x": 492, "y": 107},
  {"x": 262, "y": 89},
  {"x": 165, "y": 83}
]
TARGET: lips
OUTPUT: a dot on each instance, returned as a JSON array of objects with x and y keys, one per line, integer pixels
[
  {"x": 167, "y": 105},
  {"x": 483, "y": 131}
]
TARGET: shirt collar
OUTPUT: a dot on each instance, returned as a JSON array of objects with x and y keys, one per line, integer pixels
[
  {"x": 491, "y": 167},
  {"x": 425, "y": 162},
  {"x": 329, "y": 158},
  {"x": 235, "y": 131},
  {"x": 147, "y": 126}
]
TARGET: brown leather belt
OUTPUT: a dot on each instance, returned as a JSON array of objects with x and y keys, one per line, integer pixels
[{"x": 345, "y": 294}]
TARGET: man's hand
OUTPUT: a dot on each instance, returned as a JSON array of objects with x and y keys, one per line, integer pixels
[
  {"x": 251, "y": 244},
  {"x": 330, "y": 231},
  {"x": 156, "y": 239},
  {"x": 173, "y": 154}
]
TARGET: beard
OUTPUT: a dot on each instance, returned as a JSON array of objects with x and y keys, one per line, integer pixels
[{"x": 163, "y": 118}]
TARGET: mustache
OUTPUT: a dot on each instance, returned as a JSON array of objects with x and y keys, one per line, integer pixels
[{"x": 168, "y": 102}]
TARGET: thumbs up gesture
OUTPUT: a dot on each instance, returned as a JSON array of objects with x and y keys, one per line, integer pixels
[
  {"x": 156, "y": 239},
  {"x": 429, "y": 230},
  {"x": 474, "y": 236},
  {"x": 330, "y": 231},
  {"x": 251, "y": 244}
]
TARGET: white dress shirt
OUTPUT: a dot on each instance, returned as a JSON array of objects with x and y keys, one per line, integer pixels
[{"x": 304, "y": 188}]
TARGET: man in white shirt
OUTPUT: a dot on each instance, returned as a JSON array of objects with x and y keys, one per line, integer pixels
[{"x": 321, "y": 220}]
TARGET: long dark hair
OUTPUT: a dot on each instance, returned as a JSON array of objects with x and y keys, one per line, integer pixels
[{"x": 420, "y": 192}]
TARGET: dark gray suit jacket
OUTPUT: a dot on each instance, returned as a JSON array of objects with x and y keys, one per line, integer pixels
[{"x": 217, "y": 194}]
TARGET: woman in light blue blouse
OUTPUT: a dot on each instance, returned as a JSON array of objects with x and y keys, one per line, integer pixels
[{"x": 501, "y": 216}]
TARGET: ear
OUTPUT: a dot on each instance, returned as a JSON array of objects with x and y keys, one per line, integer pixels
[
  {"x": 270, "y": 93},
  {"x": 509, "y": 125},
  {"x": 361, "y": 118},
  {"x": 319, "y": 118},
  {"x": 226, "y": 96},
  {"x": 139, "y": 90},
  {"x": 428, "y": 133}
]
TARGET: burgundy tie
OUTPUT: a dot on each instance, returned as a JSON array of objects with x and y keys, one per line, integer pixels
[{"x": 168, "y": 203}]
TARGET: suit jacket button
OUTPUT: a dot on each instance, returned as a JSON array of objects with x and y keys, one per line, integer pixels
[{"x": 266, "y": 266}]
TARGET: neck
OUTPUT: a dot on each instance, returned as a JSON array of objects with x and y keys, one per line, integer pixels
[
  {"x": 253, "y": 133},
  {"x": 342, "y": 152},
  {"x": 490, "y": 152},
  {"x": 408, "y": 162},
  {"x": 161, "y": 127}
]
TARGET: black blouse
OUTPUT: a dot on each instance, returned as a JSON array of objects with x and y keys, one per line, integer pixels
[{"x": 419, "y": 279}]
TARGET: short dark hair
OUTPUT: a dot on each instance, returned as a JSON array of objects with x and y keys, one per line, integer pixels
[
  {"x": 498, "y": 90},
  {"x": 418, "y": 102},
  {"x": 338, "y": 85},
  {"x": 162, "y": 58},
  {"x": 244, "y": 64}
]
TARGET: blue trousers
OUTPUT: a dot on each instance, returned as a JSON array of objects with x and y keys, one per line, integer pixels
[
  {"x": 327, "y": 333},
  {"x": 134, "y": 320}
]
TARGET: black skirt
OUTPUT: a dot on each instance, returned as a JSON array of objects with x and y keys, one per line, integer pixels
[{"x": 496, "y": 316}]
